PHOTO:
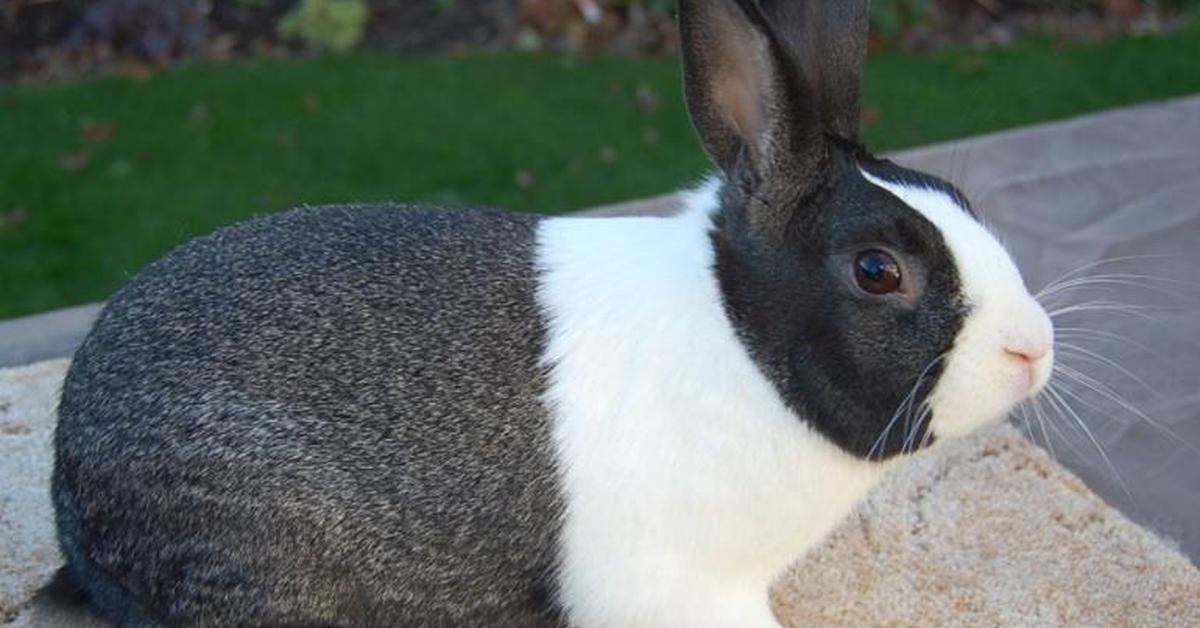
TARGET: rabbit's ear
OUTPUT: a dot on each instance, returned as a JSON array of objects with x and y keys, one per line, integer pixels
[
  {"x": 827, "y": 41},
  {"x": 748, "y": 104}
]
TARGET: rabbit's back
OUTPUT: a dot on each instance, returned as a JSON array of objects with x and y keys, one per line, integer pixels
[{"x": 329, "y": 414}]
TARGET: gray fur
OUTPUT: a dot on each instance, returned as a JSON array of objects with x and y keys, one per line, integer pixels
[{"x": 326, "y": 417}]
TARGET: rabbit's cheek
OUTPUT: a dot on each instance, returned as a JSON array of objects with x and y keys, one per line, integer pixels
[{"x": 978, "y": 389}]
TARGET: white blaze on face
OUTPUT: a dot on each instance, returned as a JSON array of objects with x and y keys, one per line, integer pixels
[{"x": 1003, "y": 353}]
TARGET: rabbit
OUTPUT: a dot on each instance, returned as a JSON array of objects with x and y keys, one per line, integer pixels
[{"x": 402, "y": 415}]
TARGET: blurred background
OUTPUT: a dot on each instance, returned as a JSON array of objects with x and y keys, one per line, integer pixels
[{"x": 129, "y": 126}]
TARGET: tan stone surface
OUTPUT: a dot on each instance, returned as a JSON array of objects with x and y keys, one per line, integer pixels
[
  {"x": 981, "y": 532},
  {"x": 28, "y": 553},
  {"x": 988, "y": 531}
]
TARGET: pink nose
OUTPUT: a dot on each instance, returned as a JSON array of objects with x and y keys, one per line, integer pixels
[
  {"x": 1026, "y": 355},
  {"x": 1028, "y": 349},
  {"x": 1032, "y": 335}
]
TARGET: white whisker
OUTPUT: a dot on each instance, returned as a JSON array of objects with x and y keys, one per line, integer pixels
[
  {"x": 1054, "y": 427},
  {"x": 1040, "y": 413},
  {"x": 1070, "y": 412},
  {"x": 905, "y": 407},
  {"x": 910, "y": 443},
  {"x": 1102, "y": 305},
  {"x": 1111, "y": 395},
  {"x": 1094, "y": 334},
  {"x": 1138, "y": 311},
  {"x": 1101, "y": 262},
  {"x": 1090, "y": 355},
  {"x": 1147, "y": 282}
]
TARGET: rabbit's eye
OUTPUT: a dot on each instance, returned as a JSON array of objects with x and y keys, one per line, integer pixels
[{"x": 877, "y": 272}]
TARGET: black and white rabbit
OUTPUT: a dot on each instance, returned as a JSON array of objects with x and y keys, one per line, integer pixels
[{"x": 403, "y": 415}]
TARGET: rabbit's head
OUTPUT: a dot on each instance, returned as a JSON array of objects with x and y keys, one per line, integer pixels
[{"x": 880, "y": 308}]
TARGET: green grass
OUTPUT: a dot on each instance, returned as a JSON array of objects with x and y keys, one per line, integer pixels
[{"x": 205, "y": 146}]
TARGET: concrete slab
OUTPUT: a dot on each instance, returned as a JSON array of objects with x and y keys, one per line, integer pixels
[{"x": 43, "y": 336}]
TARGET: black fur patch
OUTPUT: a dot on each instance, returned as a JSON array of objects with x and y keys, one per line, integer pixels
[
  {"x": 330, "y": 416},
  {"x": 843, "y": 360}
]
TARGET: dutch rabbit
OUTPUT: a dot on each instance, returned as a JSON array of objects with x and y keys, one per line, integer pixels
[{"x": 406, "y": 415}]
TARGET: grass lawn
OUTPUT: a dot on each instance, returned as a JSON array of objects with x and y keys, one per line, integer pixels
[{"x": 101, "y": 177}]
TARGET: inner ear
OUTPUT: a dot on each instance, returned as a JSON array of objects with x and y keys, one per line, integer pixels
[
  {"x": 738, "y": 85},
  {"x": 739, "y": 89}
]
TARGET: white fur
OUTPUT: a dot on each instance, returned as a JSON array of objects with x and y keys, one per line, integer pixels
[
  {"x": 689, "y": 485},
  {"x": 981, "y": 381}
]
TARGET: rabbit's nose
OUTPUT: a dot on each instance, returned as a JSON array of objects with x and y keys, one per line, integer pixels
[
  {"x": 1031, "y": 338},
  {"x": 1029, "y": 355}
]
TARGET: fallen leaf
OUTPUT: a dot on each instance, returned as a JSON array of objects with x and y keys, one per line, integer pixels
[
  {"x": 13, "y": 219},
  {"x": 524, "y": 179},
  {"x": 137, "y": 71},
  {"x": 120, "y": 168},
  {"x": 312, "y": 104},
  {"x": 95, "y": 132},
  {"x": 869, "y": 117},
  {"x": 286, "y": 139},
  {"x": 75, "y": 161},
  {"x": 1124, "y": 10},
  {"x": 876, "y": 42},
  {"x": 972, "y": 65},
  {"x": 646, "y": 98},
  {"x": 222, "y": 48},
  {"x": 199, "y": 115}
]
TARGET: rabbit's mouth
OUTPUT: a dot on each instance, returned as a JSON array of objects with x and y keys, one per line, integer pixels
[
  {"x": 1003, "y": 356},
  {"x": 1035, "y": 375}
]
